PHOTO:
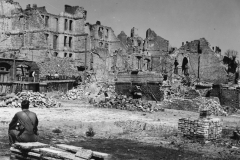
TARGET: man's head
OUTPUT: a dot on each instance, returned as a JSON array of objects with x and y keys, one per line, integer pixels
[{"x": 25, "y": 104}]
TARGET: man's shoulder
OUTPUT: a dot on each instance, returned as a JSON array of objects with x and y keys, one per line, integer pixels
[
  {"x": 20, "y": 112},
  {"x": 32, "y": 112}
]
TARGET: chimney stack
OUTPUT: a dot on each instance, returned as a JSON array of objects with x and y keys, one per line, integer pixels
[
  {"x": 28, "y": 6},
  {"x": 98, "y": 23},
  {"x": 182, "y": 43},
  {"x": 34, "y": 6}
]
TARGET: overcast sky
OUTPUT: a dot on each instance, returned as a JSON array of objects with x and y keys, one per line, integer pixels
[{"x": 175, "y": 20}]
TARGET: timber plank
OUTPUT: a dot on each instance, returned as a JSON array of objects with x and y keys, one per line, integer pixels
[
  {"x": 23, "y": 157},
  {"x": 56, "y": 154},
  {"x": 30, "y": 145},
  {"x": 104, "y": 156},
  {"x": 14, "y": 150},
  {"x": 75, "y": 149},
  {"x": 69, "y": 148},
  {"x": 84, "y": 153}
]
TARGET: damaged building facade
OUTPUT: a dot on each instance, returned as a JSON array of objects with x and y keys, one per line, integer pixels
[
  {"x": 107, "y": 55},
  {"x": 201, "y": 61},
  {"x": 145, "y": 54},
  {"x": 35, "y": 34}
]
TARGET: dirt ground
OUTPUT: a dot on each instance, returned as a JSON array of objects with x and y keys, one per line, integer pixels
[{"x": 125, "y": 134}]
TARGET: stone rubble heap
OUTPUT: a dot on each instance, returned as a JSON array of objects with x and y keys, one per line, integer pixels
[
  {"x": 126, "y": 103},
  {"x": 36, "y": 100},
  {"x": 197, "y": 104},
  {"x": 103, "y": 95},
  {"x": 74, "y": 94},
  {"x": 212, "y": 105}
]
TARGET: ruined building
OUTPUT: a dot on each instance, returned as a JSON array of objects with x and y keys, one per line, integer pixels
[
  {"x": 107, "y": 54},
  {"x": 35, "y": 34},
  {"x": 201, "y": 60},
  {"x": 145, "y": 54}
]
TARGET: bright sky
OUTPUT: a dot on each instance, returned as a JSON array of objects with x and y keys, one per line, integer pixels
[{"x": 175, "y": 20}]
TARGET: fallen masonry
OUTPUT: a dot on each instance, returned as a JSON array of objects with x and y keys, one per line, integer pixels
[
  {"x": 126, "y": 103},
  {"x": 196, "y": 105},
  {"x": 36, "y": 99}
]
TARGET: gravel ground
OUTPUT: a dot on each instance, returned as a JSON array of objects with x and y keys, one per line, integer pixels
[{"x": 125, "y": 134}]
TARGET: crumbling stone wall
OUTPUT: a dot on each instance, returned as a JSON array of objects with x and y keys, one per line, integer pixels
[
  {"x": 108, "y": 51},
  {"x": 154, "y": 43},
  {"x": 211, "y": 68},
  {"x": 32, "y": 32},
  {"x": 145, "y": 54},
  {"x": 65, "y": 31}
]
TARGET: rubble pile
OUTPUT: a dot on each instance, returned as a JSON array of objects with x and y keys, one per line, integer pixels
[
  {"x": 93, "y": 91},
  {"x": 75, "y": 93},
  {"x": 103, "y": 95},
  {"x": 126, "y": 103},
  {"x": 36, "y": 100},
  {"x": 197, "y": 104},
  {"x": 213, "y": 105}
]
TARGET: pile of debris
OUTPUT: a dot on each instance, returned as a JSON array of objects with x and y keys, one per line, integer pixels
[
  {"x": 74, "y": 94},
  {"x": 93, "y": 91},
  {"x": 126, "y": 103},
  {"x": 36, "y": 100},
  {"x": 36, "y": 150},
  {"x": 197, "y": 104},
  {"x": 103, "y": 95},
  {"x": 211, "y": 104}
]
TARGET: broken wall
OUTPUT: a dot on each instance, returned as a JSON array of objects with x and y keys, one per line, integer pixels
[
  {"x": 107, "y": 50},
  {"x": 211, "y": 68}
]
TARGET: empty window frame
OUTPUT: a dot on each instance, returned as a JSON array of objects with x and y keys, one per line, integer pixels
[
  {"x": 100, "y": 44},
  {"x": 55, "y": 40},
  {"x": 70, "y": 42},
  {"x": 56, "y": 19},
  {"x": 66, "y": 25},
  {"x": 47, "y": 21},
  {"x": 106, "y": 45},
  {"x": 46, "y": 37},
  {"x": 70, "y": 25},
  {"x": 65, "y": 41}
]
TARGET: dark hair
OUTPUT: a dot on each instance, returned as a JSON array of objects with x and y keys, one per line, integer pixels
[{"x": 25, "y": 104}]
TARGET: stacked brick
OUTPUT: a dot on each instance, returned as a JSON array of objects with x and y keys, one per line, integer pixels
[
  {"x": 200, "y": 129},
  {"x": 206, "y": 129}
]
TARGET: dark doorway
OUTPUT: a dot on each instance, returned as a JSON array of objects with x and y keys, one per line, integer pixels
[{"x": 185, "y": 66}]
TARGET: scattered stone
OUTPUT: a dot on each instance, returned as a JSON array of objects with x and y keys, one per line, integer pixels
[{"x": 56, "y": 130}]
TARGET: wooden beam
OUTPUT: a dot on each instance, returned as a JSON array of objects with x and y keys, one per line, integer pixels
[{"x": 31, "y": 145}]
